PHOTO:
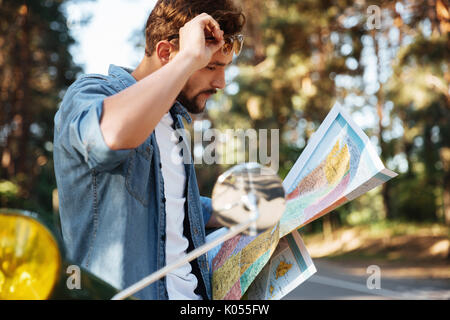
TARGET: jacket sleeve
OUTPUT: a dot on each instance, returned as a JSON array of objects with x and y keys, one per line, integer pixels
[{"x": 78, "y": 122}]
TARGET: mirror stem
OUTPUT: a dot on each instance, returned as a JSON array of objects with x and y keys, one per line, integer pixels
[{"x": 251, "y": 202}]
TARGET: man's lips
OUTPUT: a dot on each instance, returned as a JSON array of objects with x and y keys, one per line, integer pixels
[{"x": 208, "y": 94}]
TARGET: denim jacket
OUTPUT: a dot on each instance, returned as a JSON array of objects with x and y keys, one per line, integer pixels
[{"x": 112, "y": 203}]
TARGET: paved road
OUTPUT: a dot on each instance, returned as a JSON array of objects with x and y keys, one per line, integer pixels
[{"x": 338, "y": 282}]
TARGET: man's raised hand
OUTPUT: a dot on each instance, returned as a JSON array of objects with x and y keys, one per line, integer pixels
[{"x": 193, "y": 43}]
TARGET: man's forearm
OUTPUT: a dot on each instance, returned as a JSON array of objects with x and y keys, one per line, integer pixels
[{"x": 130, "y": 116}]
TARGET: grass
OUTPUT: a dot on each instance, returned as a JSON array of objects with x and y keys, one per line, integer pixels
[{"x": 402, "y": 228}]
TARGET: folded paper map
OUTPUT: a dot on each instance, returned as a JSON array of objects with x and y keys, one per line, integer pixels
[
  {"x": 338, "y": 165},
  {"x": 287, "y": 268}
]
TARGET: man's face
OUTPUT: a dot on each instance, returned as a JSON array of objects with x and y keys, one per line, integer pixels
[{"x": 204, "y": 83}]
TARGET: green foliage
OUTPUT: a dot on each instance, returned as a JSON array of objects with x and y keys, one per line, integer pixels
[
  {"x": 35, "y": 69},
  {"x": 301, "y": 56},
  {"x": 415, "y": 199},
  {"x": 423, "y": 105}
]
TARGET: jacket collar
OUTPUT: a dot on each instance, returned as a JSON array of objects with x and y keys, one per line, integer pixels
[{"x": 179, "y": 109}]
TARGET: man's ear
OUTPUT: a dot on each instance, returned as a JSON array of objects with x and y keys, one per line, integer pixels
[{"x": 165, "y": 51}]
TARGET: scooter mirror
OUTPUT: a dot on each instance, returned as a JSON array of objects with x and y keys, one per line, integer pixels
[{"x": 246, "y": 187}]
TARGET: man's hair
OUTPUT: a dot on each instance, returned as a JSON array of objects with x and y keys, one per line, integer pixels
[{"x": 168, "y": 16}]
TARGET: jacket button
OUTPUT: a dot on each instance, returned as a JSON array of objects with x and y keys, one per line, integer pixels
[
  {"x": 195, "y": 231},
  {"x": 160, "y": 165},
  {"x": 164, "y": 200}
]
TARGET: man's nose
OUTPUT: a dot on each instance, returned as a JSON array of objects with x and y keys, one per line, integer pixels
[{"x": 219, "y": 81}]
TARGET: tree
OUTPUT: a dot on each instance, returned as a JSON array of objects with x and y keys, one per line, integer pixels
[
  {"x": 300, "y": 56},
  {"x": 35, "y": 68}
]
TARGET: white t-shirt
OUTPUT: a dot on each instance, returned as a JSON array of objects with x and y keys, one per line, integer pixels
[{"x": 181, "y": 282}]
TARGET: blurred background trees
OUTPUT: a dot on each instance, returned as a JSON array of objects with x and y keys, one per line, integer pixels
[
  {"x": 387, "y": 62},
  {"x": 35, "y": 68}
]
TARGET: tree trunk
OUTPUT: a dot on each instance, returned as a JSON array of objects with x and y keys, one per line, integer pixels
[
  {"x": 380, "y": 105},
  {"x": 24, "y": 91},
  {"x": 447, "y": 199},
  {"x": 327, "y": 228},
  {"x": 445, "y": 158}
]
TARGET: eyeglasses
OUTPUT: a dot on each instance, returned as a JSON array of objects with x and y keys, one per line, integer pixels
[{"x": 233, "y": 43}]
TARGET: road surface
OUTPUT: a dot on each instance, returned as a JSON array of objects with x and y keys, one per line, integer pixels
[{"x": 341, "y": 282}]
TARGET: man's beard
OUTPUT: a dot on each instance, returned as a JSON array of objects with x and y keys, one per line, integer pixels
[{"x": 192, "y": 105}]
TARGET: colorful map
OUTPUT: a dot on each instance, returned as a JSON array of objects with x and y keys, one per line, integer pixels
[
  {"x": 338, "y": 165},
  {"x": 237, "y": 262},
  {"x": 289, "y": 266}
]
